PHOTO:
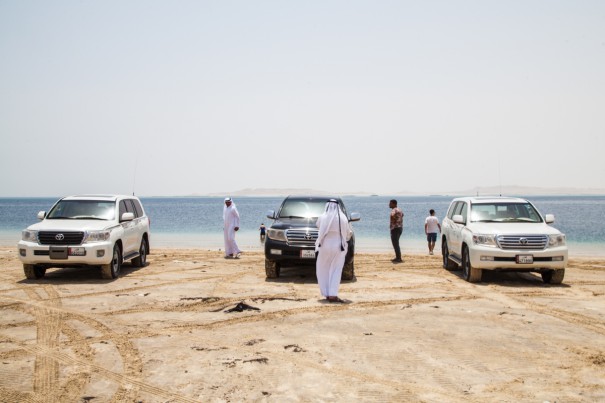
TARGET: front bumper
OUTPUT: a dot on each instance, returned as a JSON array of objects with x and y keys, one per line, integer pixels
[
  {"x": 93, "y": 254},
  {"x": 489, "y": 258},
  {"x": 277, "y": 251}
]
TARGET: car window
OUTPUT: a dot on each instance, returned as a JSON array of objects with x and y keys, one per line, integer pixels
[
  {"x": 458, "y": 208},
  {"x": 452, "y": 209},
  {"x": 137, "y": 207},
  {"x": 126, "y": 207},
  {"x": 464, "y": 211},
  {"x": 82, "y": 210},
  {"x": 505, "y": 212},
  {"x": 483, "y": 212},
  {"x": 303, "y": 208},
  {"x": 130, "y": 206}
]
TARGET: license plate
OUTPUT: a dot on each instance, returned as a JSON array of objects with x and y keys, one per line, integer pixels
[
  {"x": 525, "y": 259},
  {"x": 77, "y": 252},
  {"x": 307, "y": 254},
  {"x": 57, "y": 252}
]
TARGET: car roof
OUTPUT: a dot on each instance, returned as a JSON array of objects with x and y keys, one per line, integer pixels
[
  {"x": 98, "y": 197},
  {"x": 324, "y": 198},
  {"x": 491, "y": 199}
]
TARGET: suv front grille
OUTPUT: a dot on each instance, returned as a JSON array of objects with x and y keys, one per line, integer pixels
[
  {"x": 60, "y": 238},
  {"x": 535, "y": 242},
  {"x": 302, "y": 237}
]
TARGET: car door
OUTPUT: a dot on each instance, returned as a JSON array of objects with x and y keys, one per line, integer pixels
[
  {"x": 448, "y": 226},
  {"x": 129, "y": 241},
  {"x": 456, "y": 229},
  {"x": 140, "y": 222}
]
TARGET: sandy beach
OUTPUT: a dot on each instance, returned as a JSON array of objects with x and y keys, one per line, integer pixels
[{"x": 409, "y": 332}]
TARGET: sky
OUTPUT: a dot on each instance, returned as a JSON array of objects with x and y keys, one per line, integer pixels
[{"x": 164, "y": 98}]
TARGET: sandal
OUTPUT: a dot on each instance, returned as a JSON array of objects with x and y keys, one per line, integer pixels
[{"x": 336, "y": 299}]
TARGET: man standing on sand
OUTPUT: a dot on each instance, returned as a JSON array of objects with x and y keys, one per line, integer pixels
[
  {"x": 231, "y": 226},
  {"x": 334, "y": 232},
  {"x": 431, "y": 226},
  {"x": 396, "y": 229}
]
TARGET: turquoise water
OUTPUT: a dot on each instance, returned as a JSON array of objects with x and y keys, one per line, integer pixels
[{"x": 196, "y": 222}]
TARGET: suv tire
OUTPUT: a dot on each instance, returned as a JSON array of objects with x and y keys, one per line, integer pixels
[
  {"x": 447, "y": 263},
  {"x": 553, "y": 276},
  {"x": 112, "y": 270},
  {"x": 469, "y": 273},
  {"x": 272, "y": 269},
  {"x": 348, "y": 270},
  {"x": 33, "y": 272},
  {"x": 141, "y": 260}
]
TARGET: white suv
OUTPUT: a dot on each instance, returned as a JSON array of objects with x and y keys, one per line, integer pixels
[
  {"x": 504, "y": 234},
  {"x": 100, "y": 231}
]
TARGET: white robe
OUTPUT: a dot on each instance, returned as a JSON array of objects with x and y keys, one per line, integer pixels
[
  {"x": 331, "y": 258},
  {"x": 231, "y": 220}
]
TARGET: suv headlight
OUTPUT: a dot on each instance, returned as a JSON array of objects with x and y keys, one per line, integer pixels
[
  {"x": 277, "y": 234},
  {"x": 556, "y": 240},
  {"x": 96, "y": 236},
  {"x": 29, "y": 236},
  {"x": 485, "y": 240}
]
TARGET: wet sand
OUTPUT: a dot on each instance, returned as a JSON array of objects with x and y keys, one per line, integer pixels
[{"x": 409, "y": 332}]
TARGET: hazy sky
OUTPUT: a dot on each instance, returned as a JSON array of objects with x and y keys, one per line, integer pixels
[{"x": 182, "y": 97}]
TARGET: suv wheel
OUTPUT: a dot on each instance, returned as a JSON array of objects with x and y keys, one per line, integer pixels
[
  {"x": 553, "y": 276},
  {"x": 141, "y": 260},
  {"x": 348, "y": 270},
  {"x": 272, "y": 269},
  {"x": 469, "y": 273},
  {"x": 112, "y": 270},
  {"x": 33, "y": 272},
  {"x": 447, "y": 263}
]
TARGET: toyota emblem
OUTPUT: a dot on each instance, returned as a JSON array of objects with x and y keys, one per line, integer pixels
[
  {"x": 308, "y": 236},
  {"x": 59, "y": 237},
  {"x": 523, "y": 241}
]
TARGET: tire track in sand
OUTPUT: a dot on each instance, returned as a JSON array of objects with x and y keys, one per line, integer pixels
[
  {"x": 48, "y": 354},
  {"x": 48, "y": 331},
  {"x": 508, "y": 298},
  {"x": 124, "y": 380}
]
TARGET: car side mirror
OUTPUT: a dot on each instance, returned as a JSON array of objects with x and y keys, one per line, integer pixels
[
  {"x": 458, "y": 219},
  {"x": 127, "y": 217},
  {"x": 271, "y": 214},
  {"x": 355, "y": 217},
  {"x": 41, "y": 215},
  {"x": 549, "y": 218}
]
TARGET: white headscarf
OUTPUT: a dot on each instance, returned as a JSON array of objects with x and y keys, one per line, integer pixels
[
  {"x": 333, "y": 214},
  {"x": 232, "y": 207}
]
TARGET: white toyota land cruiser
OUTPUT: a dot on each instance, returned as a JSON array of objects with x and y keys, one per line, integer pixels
[
  {"x": 504, "y": 234},
  {"x": 87, "y": 230}
]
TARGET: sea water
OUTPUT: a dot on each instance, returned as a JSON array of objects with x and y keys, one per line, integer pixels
[{"x": 197, "y": 222}]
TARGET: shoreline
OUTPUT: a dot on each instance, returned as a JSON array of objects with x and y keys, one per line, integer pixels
[{"x": 249, "y": 241}]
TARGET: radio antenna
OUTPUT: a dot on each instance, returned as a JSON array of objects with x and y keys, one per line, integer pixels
[
  {"x": 500, "y": 173},
  {"x": 134, "y": 175}
]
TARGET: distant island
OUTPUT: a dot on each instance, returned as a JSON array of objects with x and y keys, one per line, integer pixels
[
  {"x": 529, "y": 191},
  {"x": 476, "y": 191}
]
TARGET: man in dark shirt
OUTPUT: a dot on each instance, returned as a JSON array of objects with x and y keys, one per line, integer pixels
[{"x": 396, "y": 224}]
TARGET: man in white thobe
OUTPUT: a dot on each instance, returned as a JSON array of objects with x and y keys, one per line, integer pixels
[
  {"x": 332, "y": 247},
  {"x": 231, "y": 226}
]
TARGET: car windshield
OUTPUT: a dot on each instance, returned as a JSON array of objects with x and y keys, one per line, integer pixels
[
  {"x": 310, "y": 208},
  {"x": 504, "y": 212},
  {"x": 83, "y": 210}
]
